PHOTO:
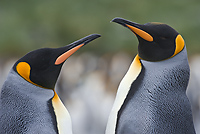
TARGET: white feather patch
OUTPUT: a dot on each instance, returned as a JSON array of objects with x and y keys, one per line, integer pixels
[
  {"x": 123, "y": 89},
  {"x": 62, "y": 116}
]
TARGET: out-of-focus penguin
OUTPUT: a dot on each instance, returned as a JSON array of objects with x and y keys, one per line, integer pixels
[
  {"x": 151, "y": 98},
  {"x": 28, "y": 101}
]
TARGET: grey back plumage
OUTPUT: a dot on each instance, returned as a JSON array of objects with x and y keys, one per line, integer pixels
[
  {"x": 157, "y": 101},
  {"x": 25, "y": 108}
]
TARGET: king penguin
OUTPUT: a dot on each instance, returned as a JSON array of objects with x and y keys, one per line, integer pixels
[
  {"x": 28, "y": 101},
  {"x": 151, "y": 98}
]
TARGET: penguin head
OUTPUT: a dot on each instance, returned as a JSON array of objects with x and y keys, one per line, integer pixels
[
  {"x": 157, "y": 41},
  {"x": 41, "y": 67}
]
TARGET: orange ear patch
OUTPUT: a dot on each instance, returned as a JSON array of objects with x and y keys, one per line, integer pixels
[
  {"x": 24, "y": 69},
  {"x": 67, "y": 54},
  {"x": 179, "y": 44},
  {"x": 141, "y": 33}
]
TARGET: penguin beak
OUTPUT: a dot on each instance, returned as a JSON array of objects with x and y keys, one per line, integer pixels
[
  {"x": 73, "y": 47},
  {"x": 136, "y": 28}
]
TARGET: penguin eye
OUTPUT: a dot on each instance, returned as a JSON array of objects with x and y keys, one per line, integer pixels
[{"x": 163, "y": 38}]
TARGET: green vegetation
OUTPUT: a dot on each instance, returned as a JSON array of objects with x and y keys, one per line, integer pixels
[{"x": 28, "y": 25}]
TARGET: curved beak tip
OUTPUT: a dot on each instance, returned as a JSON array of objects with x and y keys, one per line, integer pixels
[
  {"x": 90, "y": 38},
  {"x": 95, "y": 36},
  {"x": 120, "y": 21},
  {"x": 116, "y": 19}
]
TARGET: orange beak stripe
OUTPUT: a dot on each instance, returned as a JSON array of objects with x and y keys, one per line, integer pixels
[
  {"x": 67, "y": 54},
  {"x": 141, "y": 33}
]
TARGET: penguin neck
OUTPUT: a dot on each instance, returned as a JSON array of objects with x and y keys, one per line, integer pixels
[
  {"x": 175, "y": 71},
  {"x": 47, "y": 99},
  {"x": 28, "y": 89},
  {"x": 30, "y": 103}
]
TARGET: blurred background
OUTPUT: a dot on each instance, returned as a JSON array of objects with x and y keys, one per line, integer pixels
[{"x": 89, "y": 79}]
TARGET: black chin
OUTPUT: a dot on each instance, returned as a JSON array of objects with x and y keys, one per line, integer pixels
[
  {"x": 47, "y": 78},
  {"x": 152, "y": 51}
]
